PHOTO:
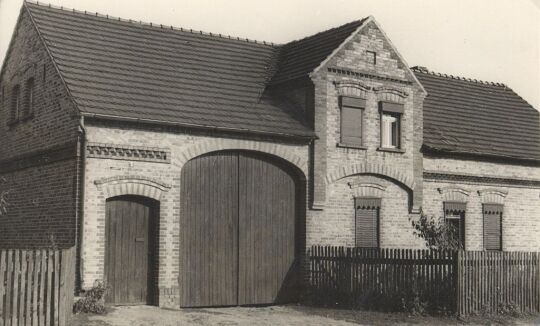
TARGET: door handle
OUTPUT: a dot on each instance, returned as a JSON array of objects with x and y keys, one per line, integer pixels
[{"x": 139, "y": 239}]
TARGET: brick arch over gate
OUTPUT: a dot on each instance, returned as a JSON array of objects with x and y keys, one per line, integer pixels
[
  {"x": 221, "y": 145},
  {"x": 371, "y": 168}
]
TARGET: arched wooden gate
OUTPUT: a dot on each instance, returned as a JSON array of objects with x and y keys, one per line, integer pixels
[{"x": 239, "y": 224}]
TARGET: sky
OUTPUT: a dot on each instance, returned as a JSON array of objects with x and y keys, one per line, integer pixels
[{"x": 492, "y": 40}]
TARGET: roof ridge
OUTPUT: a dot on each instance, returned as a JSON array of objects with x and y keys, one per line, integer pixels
[
  {"x": 359, "y": 21},
  {"x": 425, "y": 70},
  {"x": 150, "y": 24}
]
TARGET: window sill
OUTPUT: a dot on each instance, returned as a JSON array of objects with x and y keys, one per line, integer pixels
[
  {"x": 341, "y": 145},
  {"x": 391, "y": 150}
]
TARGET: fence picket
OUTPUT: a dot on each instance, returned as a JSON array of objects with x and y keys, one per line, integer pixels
[
  {"x": 36, "y": 287},
  {"x": 3, "y": 265}
]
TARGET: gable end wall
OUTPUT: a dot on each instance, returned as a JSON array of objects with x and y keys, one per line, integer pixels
[{"x": 41, "y": 183}]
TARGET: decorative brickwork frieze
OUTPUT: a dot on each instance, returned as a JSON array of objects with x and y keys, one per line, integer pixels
[{"x": 131, "y": 153}]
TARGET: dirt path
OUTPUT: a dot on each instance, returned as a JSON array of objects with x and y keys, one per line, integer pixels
[{"x": 268, "y": 316}]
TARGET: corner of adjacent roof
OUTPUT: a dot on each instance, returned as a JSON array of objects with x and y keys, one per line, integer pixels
[
  {"x": 365, "y": 21},
  {"x": 399, "y": 55}
]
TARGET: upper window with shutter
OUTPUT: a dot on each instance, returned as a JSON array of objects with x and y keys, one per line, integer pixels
[
  {"x": 367, "y": 222},
  {"x": 352, "y": 112},
  {"x": 493, "y": 226},
  {"x": 454, "y": 216}
]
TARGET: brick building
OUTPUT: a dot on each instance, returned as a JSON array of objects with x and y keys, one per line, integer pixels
[{"x": 194, "y": 169}]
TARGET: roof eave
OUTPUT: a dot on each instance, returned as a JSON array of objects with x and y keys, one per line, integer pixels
[
  {"x": 307, "y": 138},
  {"x": 445, "y": 151}
]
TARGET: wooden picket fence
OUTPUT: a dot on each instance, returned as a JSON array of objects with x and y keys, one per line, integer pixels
[
  {"x": 36, "y": 287},
  {"x": 496, "y": 281},
  {"x": 464, "y": 282}
]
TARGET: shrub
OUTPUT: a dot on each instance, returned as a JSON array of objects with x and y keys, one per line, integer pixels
[
  {"x": 93, "y": 300},
  {"x": 437, "y": 234}
]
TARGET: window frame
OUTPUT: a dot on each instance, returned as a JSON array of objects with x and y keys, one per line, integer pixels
[
  {"x": 500, "y": 213},
  {"x": 29, "y": 99},
  {"x": 351, "y": 103},
  {"x": 452, "y": 214},
  {"x": 373, "y": 204},
  {"x": 396, "y": 111},
  {"x": 371, "y": 57},
  {"x": 15, "y": 105}
]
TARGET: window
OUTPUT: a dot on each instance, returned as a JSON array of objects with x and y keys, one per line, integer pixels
[
  {"x": 493, "y": 226},
  {"x": 454, "y": 216},
  {"x": 391, "y": 125},
  {"x": 15, "y": 103},
  {"x": 352, "y": 111},
  {"x": 371, "y": 57},
  {"x": 29, "y": 98},
  {"x": 367, "y": 222}
]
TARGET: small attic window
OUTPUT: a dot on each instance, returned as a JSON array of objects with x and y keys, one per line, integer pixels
[{"x": 371, "y": 57}]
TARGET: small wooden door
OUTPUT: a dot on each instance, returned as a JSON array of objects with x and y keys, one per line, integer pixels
[
  {"x": 130, "y": 230},
  {"x": 238, "y": 220}
]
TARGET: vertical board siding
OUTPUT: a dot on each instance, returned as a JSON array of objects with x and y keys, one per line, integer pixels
[
  {"x": 36, "y": 287},
  {"x": 466, "y": 282},
  {"x": 267, "y": 209},
  {"x": 209, "y": 232}
]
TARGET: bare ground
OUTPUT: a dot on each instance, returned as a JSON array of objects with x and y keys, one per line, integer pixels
[{"x": 275, "y": 315}]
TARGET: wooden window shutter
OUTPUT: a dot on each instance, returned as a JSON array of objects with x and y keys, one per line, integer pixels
[
  {"x": 351, "y": 120},
  {"x": 367, "y": 222},
  {"x": 493, "y": 226}
]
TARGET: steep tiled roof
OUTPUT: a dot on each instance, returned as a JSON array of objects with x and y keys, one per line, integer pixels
[
  {"x": 118, "y": 68},
  {"x": 299, "y": 58},
  {"x": 474, "y": 117}
]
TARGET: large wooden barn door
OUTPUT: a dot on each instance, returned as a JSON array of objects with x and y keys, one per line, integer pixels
[
  {"x": 130, "y": 222},
  {"x": 209, "y": 231},
  {"x": 237, "y": 230},
  {"x": 267, "y": 228}
]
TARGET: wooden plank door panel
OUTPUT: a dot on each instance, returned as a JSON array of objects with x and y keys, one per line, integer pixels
[
  {"x": 267, "y": 217},
  {"x": 209, "y": 231},
  {"x": 128, "y": 248}
]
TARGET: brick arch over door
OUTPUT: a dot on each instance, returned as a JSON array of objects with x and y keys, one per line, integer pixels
[
  {"x": 371, "y": 168},
  {"x": 230, "y": 144},
  {"x": 132, "y": 185}
]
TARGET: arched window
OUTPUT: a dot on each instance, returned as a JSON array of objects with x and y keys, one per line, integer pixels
[
  {"x": 29, "y": 98},
  {"x": 15, "y": 103}
]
